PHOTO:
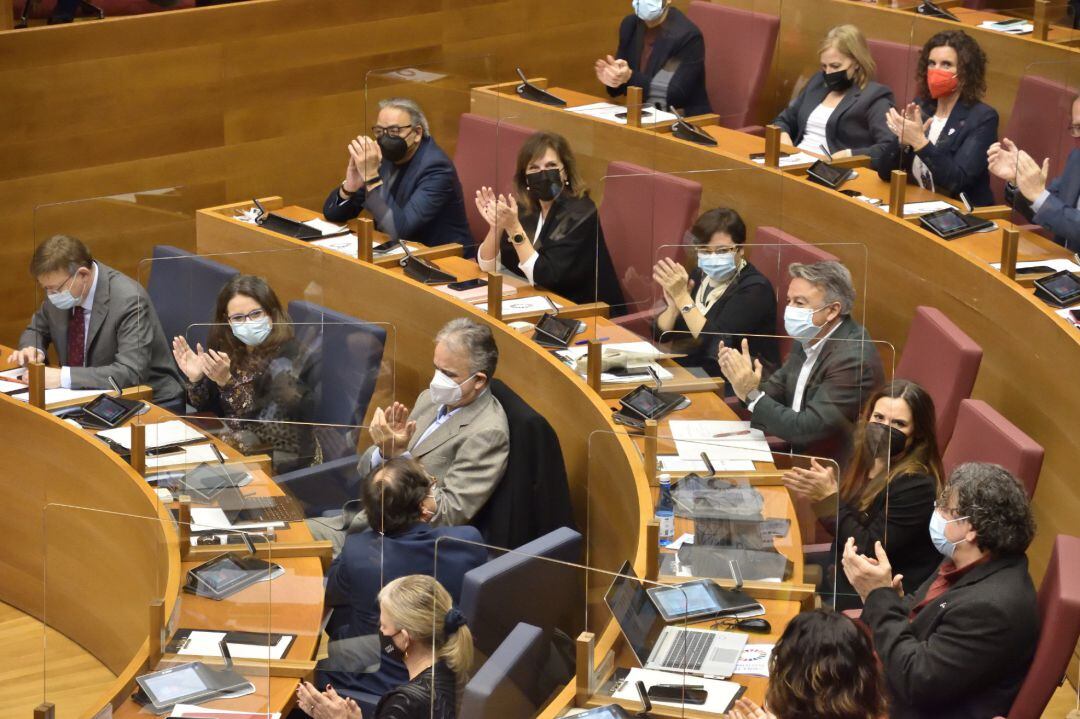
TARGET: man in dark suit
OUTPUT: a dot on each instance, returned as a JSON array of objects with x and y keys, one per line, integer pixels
[
  {"x": 101, "y": 323},
  {"x": 813, "y": 400},
  {"x": 1055, "y": 206},
  {"x": 399, "y": 500},
  {"x": 662, "y": 52},
  {"x": 961, "y": 645},
  {"x": 403, "y": 179}
]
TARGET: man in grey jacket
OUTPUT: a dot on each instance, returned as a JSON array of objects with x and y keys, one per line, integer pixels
[
  {"x": 457, "y": 431},
  {"x": 101, "y": 323}
]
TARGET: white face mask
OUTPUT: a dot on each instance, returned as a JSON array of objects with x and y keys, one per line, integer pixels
[
  {"x": 937, "y": 533},
  {"x": 445, "y": 390},
  {"x": 799, "y": 323},
  {"x": 719, "y": 267},
  {"x": 649, "y": 10},
  {"x": 252, "y": 332},
  {"x": 64, "y": 300}
]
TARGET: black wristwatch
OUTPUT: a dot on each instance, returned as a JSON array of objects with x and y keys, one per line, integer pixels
[{"x": 517, "y": 238}]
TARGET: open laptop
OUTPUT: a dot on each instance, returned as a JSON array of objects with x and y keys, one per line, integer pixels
[{"x": 657, "y": 646}]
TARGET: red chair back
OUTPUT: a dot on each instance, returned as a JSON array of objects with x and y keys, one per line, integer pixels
[
  {"x": 486, "y": 155},
  {"x": 944, "y": 360},
  {"x": 983, "y": 435},
  {"x": 1059, "y": 627},
  {"x": 645, "y": 215},
  {"x": 896, "y": 64},
  {"x": 1039, "y": 124},
  {"x": 739, "y": 47}
]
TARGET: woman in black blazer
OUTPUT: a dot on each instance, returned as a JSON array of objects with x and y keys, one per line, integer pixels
[
  {"x": 841, "y": 108},
  {"x": 942, "y": 138},
  {"x": 548, "y": 230},
  {"x": 888, "y": 491},
  {"x": 723, "y": 299},
  {"x": 662, "y": 52}
]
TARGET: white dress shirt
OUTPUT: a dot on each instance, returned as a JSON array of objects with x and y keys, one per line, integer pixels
[
  {"x": 87, "y": 305},
  {"x": 922, "y": 173},
  {"x": 812, "y": 355},
  {"x": 527, "y": 267}
]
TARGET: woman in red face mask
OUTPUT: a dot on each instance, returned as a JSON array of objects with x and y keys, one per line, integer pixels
[{"x": 942, "y": 137}]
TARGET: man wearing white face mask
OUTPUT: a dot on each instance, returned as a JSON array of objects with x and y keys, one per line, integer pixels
[
  {"x": 813, "y": 400},
  {"x": 661, "y": 51},
  {"x": 960, "y": 646},
  {"x": 457, "y": 431},
  {"x": 101, "y": 323}
]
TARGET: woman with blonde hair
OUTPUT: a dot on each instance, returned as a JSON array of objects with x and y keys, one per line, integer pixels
[
  {"x": 420, "y": 626},
  {"x": 841, "y": 110}
]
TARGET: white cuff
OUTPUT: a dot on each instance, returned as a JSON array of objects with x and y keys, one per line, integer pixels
[
  {"x": 754, "y": 403},
  {"x": 491, "y": 265},
  {"x": 1038, "y": 203},
  {"x": 65, "y": 377},
  {"x": 528, "y": 266}
]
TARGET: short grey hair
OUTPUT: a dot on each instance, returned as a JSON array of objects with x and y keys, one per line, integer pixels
[
  {"x": 995, "y": 504},
  {"x": 416, "y": 115},
  {"x": 475, "y": 340},
  {"x": 830, "y": 276}
]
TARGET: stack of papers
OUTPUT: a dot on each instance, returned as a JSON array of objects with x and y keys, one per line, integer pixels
[
  {"x": 1057, "y": 265},
  {"x": 617, "y": 113},
  {"x": 721, "y": 694},
  {"x": 722, "y": 441},
  {"x": 347, "y": 244},
  {"x": 675, "y": 463},
  {"x": 193, "y": 711},
  {"x": 796, "y": 158},
  {"x": 523, "y": 305},
  {"x": 188, "y": 454},
  {"x": 642, "y": 350},
  {"x": 210, "y": 519},
  {"x": 754, "y": 660},
  {"x": 921, "y": 208},
  {"x": 21, "y": 391},
  {"x": 1067, "y": 314},
  {"x": 207, "y": 644},
  {"x": 1012, "y": 27},
  {"x": 162, "y": 434}
]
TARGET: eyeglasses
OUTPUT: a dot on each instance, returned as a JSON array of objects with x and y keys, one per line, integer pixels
[
  {"x": 1074, "y": 130},
  {"x": 378, "y": 131},
  {"x": 253, "y": 316},
  {"x": 51, "y": 291},
  {"x": 716, "y": 250}
]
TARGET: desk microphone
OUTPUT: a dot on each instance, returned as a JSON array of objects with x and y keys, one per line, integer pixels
[
  {"x": 967, "y": 205},
  {"x": 115, "y": 387},
  {"x": 826, "y": 151},
  {"x": 225, "y": 653},
  {"x": 646, "y": 703}
]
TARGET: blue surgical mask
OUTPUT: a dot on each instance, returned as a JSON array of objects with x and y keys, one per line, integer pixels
[
  {"x": 64, "y": 300},
  {"x": 649, "y": 10},
  {"x": 719, "y": 267},
  {"x": 252, "y": 332},
  {"x": 937, "y": 534},
  {"x": 799, "y": 323}
]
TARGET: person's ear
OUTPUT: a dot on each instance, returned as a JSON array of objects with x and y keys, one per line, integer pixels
[{"x": 481, "y": 381}]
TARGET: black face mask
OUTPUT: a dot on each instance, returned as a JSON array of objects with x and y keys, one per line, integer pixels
[
  {"x": 544, "y": 185},
  {"x": 838, "y": 81},
  {"x": 386, "y": 641},
  {"x": 884, "y": 441},
  {"x": 393, "y": 149}
]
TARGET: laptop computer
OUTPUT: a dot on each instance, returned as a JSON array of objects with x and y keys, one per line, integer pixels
[{"x": 705, "y": 652}]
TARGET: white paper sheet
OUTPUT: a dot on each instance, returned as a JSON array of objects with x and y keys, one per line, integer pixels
[
  {"x": 157, "y": 435},
  {"x": 1057, "y": 265},
  {"x": 754, "y": 660},
  {"x": 795, "y": 158},
  {"x": 684, "y": 538},
  {"x": 205, "y": 644},
  {"x": 1011, "y": 29},
  {"x": 189, "y": 454},
  {"x": 609, "y": 111},
  {"x": 736, "y": 440},
  {"x": 921, "y": 208},
  {"x": 6, "y": 386},
  {"x": 193, "y": 710},
  {"x": 675, "y": 463},
  {"x": 1067, "y": 314},
  {"x": 58, "y": 395},
  {"x": 209, "y": 519},
  {"x": 642, "y": 349},
  {"x": 523, "y": 305},
  {"x": 721, "y": 693}
]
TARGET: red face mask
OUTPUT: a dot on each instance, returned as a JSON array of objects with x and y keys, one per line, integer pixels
[{"x": 941, "y": 82}]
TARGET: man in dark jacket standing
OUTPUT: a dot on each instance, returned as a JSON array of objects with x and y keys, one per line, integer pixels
[{"x": 960, "y": 646}]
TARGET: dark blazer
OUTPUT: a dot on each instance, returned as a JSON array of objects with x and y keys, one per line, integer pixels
[
  {"x": 574, "y": 260},
  {"x": 368, "y": 562},
  {"x": 958, "y": 159},
  {"x": 856, "y": 124},
  {"x": 425, "y": 204},
  {"x": 965, "y": 654},
  {"x": 679, "y": 47},
  {"x": 1059, "y": 213},
  {"x": 125, "y": 340},
  {"x": 899, "y": 518},
  {"x": 843, "y": 377},
  {"x": 747, "y": 307}
]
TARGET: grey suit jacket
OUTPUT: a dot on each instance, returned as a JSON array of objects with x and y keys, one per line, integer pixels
[
  {"x": 845, "y": 374},
  {"x": 125, "y": 340},
  {"x": 467, "y": 455}
]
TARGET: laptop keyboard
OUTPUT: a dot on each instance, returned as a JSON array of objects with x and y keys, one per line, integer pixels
[{"x": 688, "y": 650}]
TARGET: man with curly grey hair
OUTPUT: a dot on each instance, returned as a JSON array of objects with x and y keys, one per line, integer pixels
[{"x": 961, "y": 645}]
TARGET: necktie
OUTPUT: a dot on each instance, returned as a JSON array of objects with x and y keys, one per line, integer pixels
[{"x": 76, "y": 348}]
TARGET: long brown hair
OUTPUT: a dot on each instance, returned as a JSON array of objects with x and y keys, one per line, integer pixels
[
  {"x": 534, "y": 148},
  {"x": 921, "y": 456},
  {"x": 221, "y": 337},
  {"x": 970, "y": 64},
  {"x": 823, "y": 667}
]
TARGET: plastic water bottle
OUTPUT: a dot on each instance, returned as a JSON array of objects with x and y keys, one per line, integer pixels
[{"x": 665, "y": 511}]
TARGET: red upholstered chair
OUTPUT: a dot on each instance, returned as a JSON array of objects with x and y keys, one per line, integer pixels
[
  {"x": 896, "y": 64},
  {"x": 944, "y": 360},
  {"x": 1040, "y": 116},
  {"x": 983, "y": 435},
  {"x": 1059, "y": 627},
  {"x": 486, "y": 154},
  {"x": 739, "y": 47},
  {"x": 645, "y": 215}
]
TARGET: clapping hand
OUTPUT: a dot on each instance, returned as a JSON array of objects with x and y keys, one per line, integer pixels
[
  {"x": 746, "y": 709},
  {"x": 1002, "y": 158},
  {"x": 1030, "y": 177},
  {"x": 364, "y": 159},
  {"x": 672, "y": 278},
  {"x": 189, "y": 361},
  {"x": 216, "y": 366},
  {"x": 613, "y": 73},
  {"x": 909, "y": 127},
  {"x": 485, "y": 202},
  {"x": 391, "y": 430},
  {"x": 741, "y": 372},
  {"x": 866, "y": 574},
  {"x": 816, "y": 483},
  {"x": 506, "y": 215},
  {"x": 325, "y": 705}
]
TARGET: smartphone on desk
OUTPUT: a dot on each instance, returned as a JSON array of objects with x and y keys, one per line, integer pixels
[
  {"x": 468, "y": 284},
  {"x": 385, "y": 246},
  {"x": 691, "y": 694}
]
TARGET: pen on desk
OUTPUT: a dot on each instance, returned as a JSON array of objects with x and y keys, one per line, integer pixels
[
  {"x": 740, "y": 433},
  {"x": 585, "y": 342},
  {"x": 217, "y": 453}
]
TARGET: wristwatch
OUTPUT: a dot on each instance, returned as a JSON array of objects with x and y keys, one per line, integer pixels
[
  {"x": 753, "y": 395},
  {"x": 517, "y": 238},
  {"x": 686, "y": 308}
]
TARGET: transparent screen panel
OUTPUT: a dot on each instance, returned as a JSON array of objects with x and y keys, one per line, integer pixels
[{"x": 151, "y": 611}]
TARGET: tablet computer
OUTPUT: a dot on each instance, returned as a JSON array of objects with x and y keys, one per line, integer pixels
[
  {"x": 227, "y": 574},
  {"x": 823, "y": 173},
  {"x": 1061, "y": 288},
  {"x": 952, "y": 223},
  {"x": 552, "y": 331},
  {"x": 700, "y": 599},
  {"x": 188, "y": 684},
  {"x": 649, "y": 403},
  {"x": 611, "y": 711},
  {"x": 206, "y": 481},
  {"x": 112, "y": 411}
]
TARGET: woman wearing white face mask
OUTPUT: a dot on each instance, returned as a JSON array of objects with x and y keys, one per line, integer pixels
[
  {"x": 253, "y": 374},
  {"x": 662, "y": 52},
  {"x": 723, "y": 299}
]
